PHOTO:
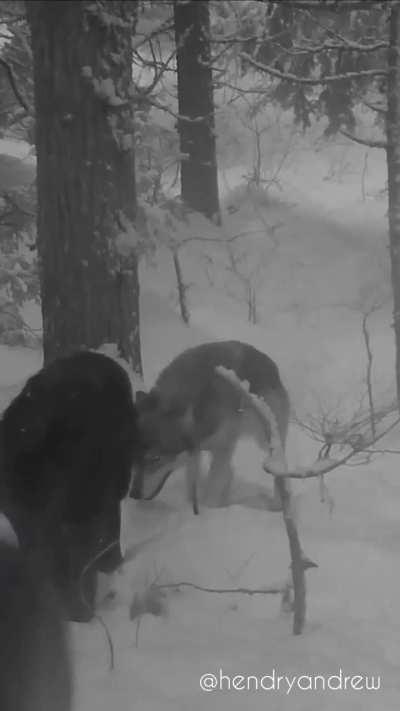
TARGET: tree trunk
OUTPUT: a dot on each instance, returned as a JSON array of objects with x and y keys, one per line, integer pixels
[
  {"x": 85, "y": 175},
  {"x": 393, "y": 162},
  {"x": 199, "y": 177}
]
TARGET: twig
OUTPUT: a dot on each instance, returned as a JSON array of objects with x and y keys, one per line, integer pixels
[
  {"x": 10, "y": 74},
  {"x": 20, "y": 320},
  {"x": 363, "y": 175},
  {"x": 364, "y": 141},
  {"x": 272, "y": 590},
  {"x": 221, "y": 240},
  {"x": 382, "y": 451},
  {"x": 329, "y": 430},
  {"x": 138, "y": 623},
  {"x": 96, "y": 616},
  {"x": 328, "y": 79},
  {"x": 368, "y": 376},
  {"x": 334, "y": 5},
  {"x": 328, "y": 45},
  {"x": 382, "y": 110},
  {"x": 325, "y": 466},
  {"x": 164, "y": 27},
  {"x": 182, "y": 287}
]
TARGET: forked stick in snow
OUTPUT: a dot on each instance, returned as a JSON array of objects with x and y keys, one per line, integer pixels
[{"x": 268, "y": 420}]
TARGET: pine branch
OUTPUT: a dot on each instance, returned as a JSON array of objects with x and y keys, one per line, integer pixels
[
  {"x": 345, "y": 46},
  {"x": 329, "y": 79}
]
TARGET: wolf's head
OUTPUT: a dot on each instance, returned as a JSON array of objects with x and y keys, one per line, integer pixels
[{"x": 167, "y": 433}]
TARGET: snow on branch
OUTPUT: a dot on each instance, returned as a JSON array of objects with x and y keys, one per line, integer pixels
[
  {"x": 329, "y": 46},
  {"x": 266, "y": 416},
  {"x": 335, "y": 5},
  {"x": 317, "y": 81}
]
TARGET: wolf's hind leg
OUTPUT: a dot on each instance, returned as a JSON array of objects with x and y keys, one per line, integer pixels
[
  {"x": 220, "y": 474},
  {"x": 192, "y": 473}
]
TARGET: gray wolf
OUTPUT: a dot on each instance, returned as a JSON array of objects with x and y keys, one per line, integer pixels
[{"x": 191, "y": 409}]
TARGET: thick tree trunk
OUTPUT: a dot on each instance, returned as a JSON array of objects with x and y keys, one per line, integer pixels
[
  {"x": 393, "y": 162},
  {"x": 199, "y": 178},
  {"x": 85, "y": 175}
]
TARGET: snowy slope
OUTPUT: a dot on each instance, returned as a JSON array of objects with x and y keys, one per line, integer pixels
[{"x": 332, "y": 256}]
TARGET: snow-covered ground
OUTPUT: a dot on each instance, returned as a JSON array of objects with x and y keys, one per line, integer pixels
[{"x": 331, "y": 264}]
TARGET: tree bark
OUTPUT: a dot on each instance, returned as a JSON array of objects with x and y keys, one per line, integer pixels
[
  {"x": 393, "y": 163},
  {"x": 199, "y": 177},
  {"x": 85, "y": 175}
]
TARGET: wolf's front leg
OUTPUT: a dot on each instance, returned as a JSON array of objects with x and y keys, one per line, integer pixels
[{"x": 220, "y": 476}]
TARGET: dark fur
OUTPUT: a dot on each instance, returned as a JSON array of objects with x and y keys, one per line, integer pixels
[
  {"x": 68, "y": 443},
  {"x": 35, "y": 673}
]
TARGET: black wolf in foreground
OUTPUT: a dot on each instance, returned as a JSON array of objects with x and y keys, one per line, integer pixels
[
  {"x": 67, "y": 444},
  {"x": 35, "y": 671},
  {"x": 192, "y": 408}
]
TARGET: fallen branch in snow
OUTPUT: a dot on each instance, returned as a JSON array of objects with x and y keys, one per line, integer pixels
[
  {"x": 268, "y": 419},
  {"x": 272, "y": 590}
]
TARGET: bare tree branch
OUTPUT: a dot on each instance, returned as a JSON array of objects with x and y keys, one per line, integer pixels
[
  {"x": 324, "y": 466},
  {"x": 329, "y": 46},
  {"x": 272, "y": 590},
  {"x": 13, "y": 84},
  {"x": 142, "y": 38},
  {"x": 329, "y": 79},
  {"x": 382, "y": 110},
  {"x": 368, "y": 377},
  {"x": 334, "y": 5},
  {"x": 364, "y": 141}
]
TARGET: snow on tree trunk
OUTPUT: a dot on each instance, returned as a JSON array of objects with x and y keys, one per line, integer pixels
[
  {"x": 393, "y": 162},
  {"x": 199, "y": 178},
  {"x": 85, "y": 175}
]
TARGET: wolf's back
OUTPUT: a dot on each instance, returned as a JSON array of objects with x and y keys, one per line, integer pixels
[
  {"x": 191, "y": 381},
  {"x": 195, "y": 368}
]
